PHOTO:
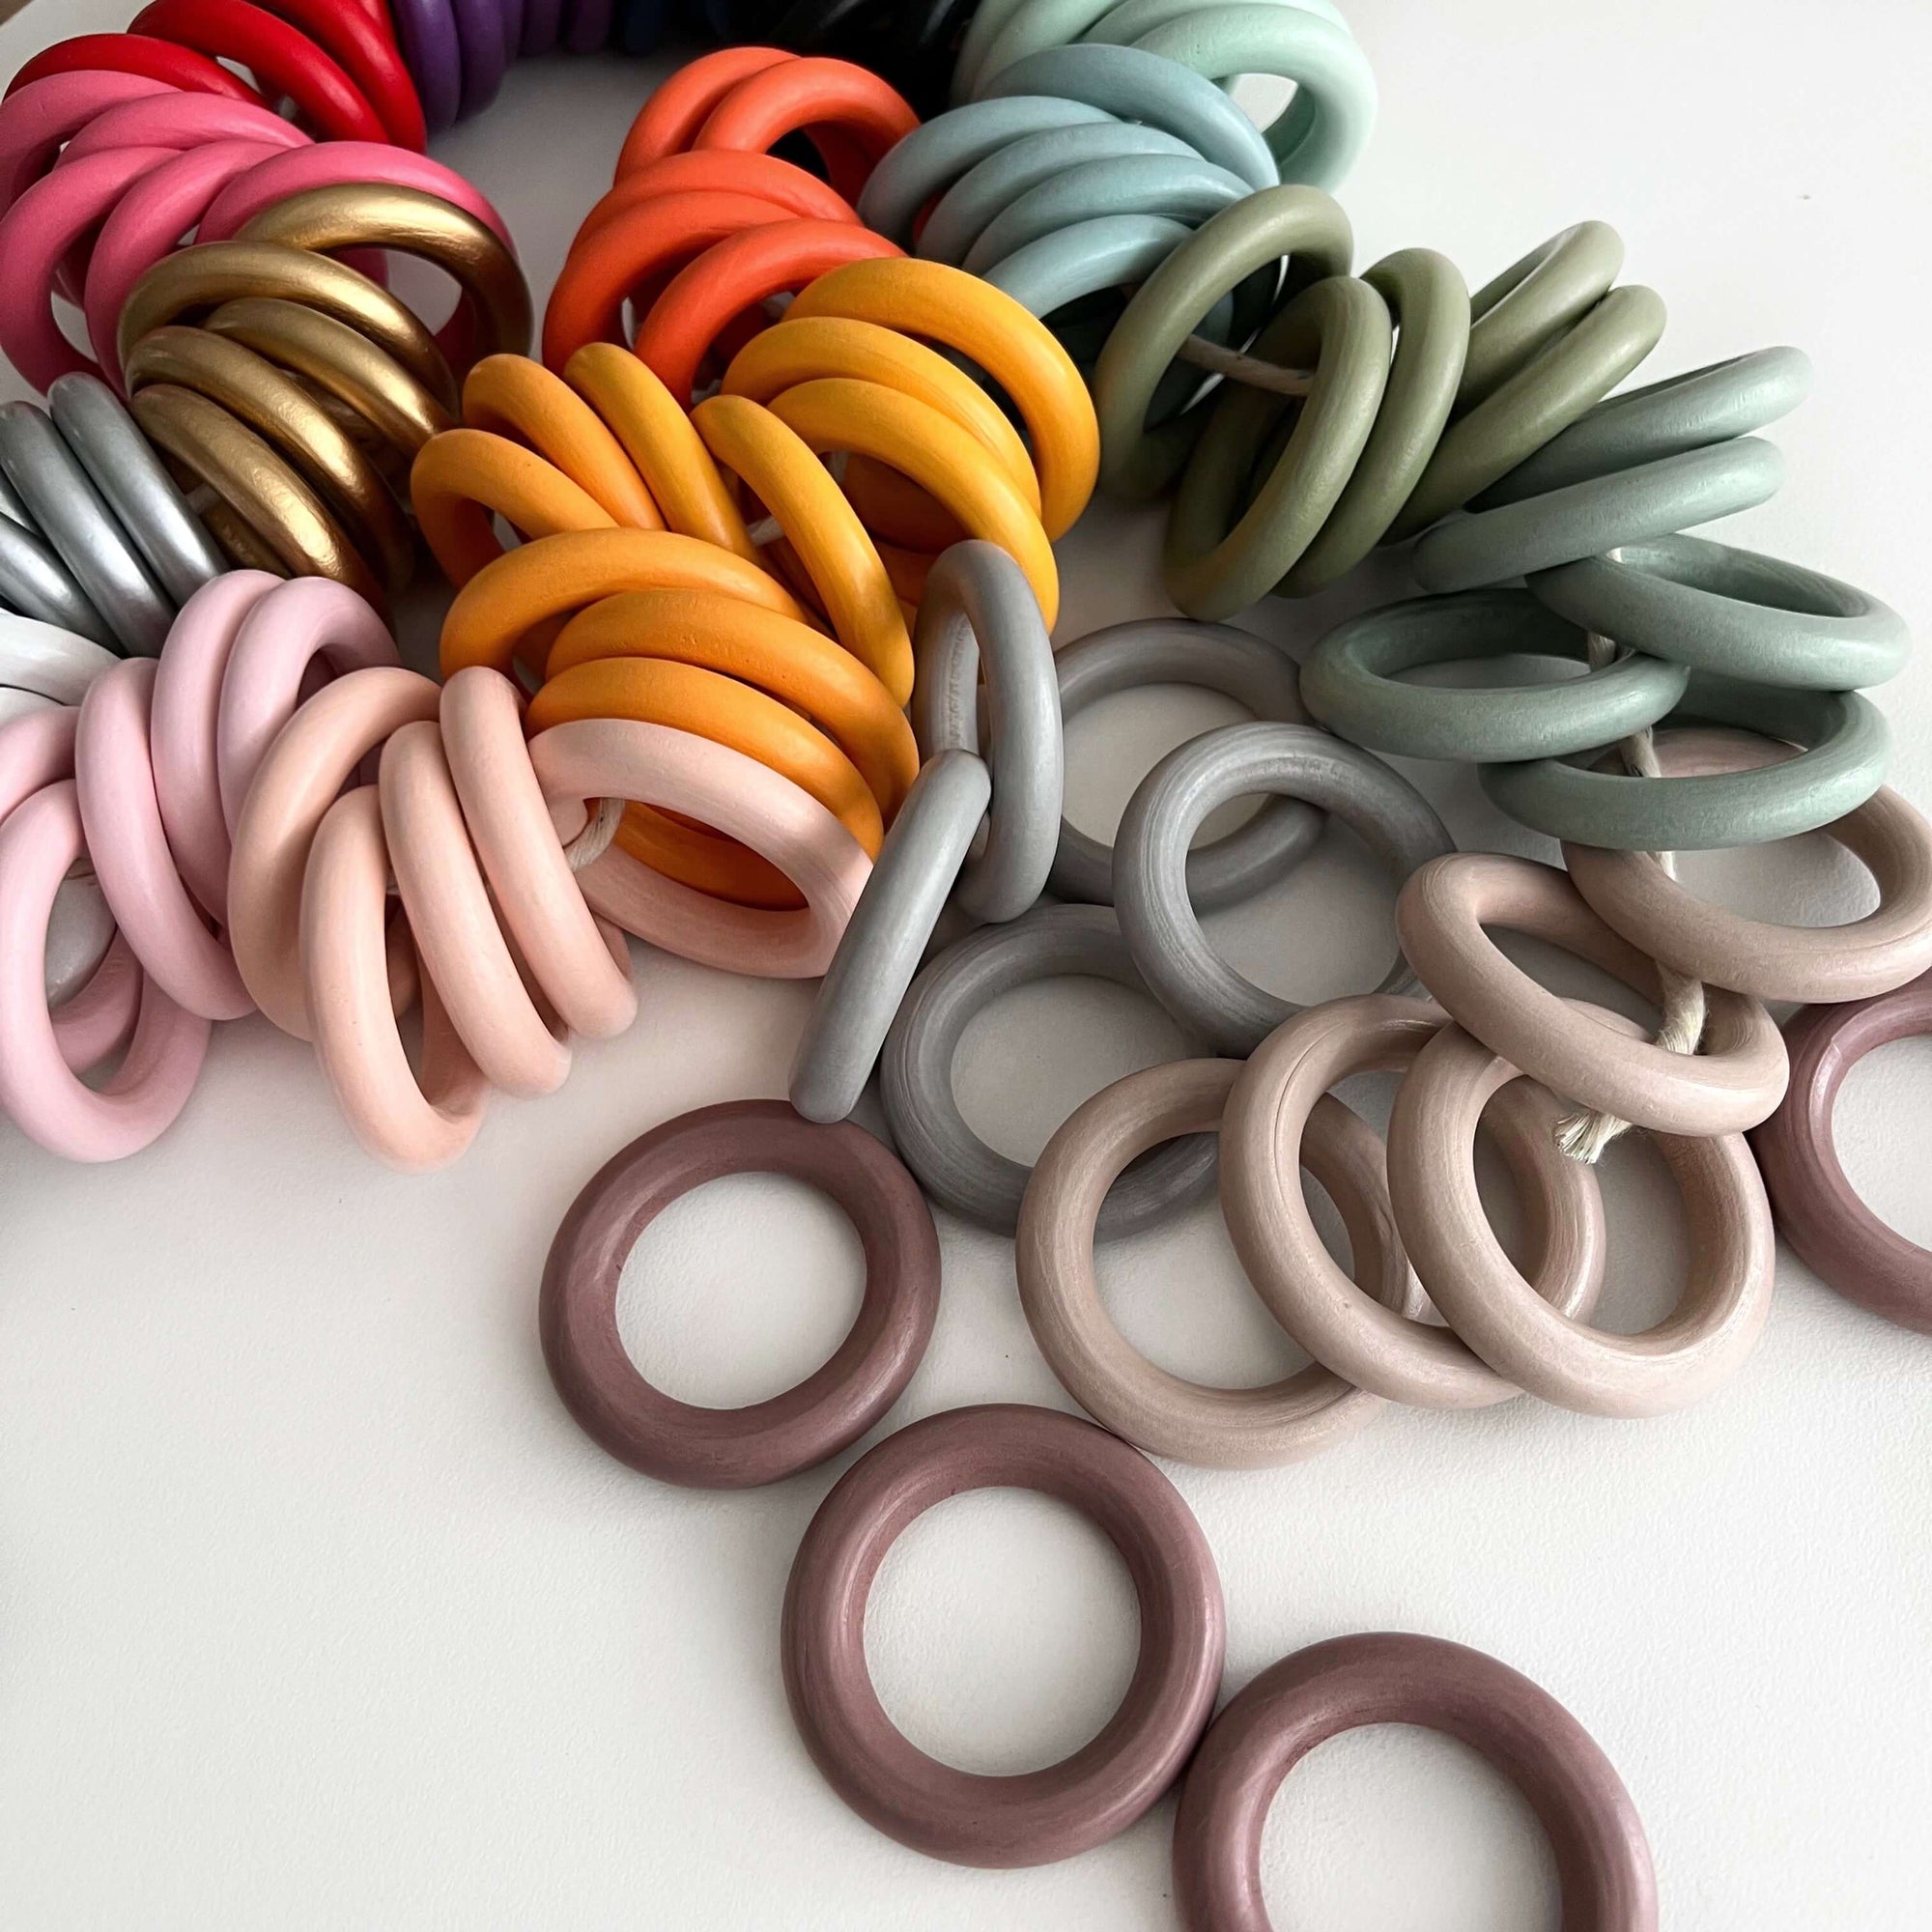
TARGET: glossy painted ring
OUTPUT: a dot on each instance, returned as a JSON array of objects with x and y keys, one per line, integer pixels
[
  {"x": 1637, "y": 898},
  {"x": 1734, "y": 612},
  {"x": 1844, "y": 746},
  {"x": 1549, "y": 1351},
  {"x": 1036, "y": 1816},
  {"x": 1734, "y": 1080},
  {"x": 953, "y": 1164},
  {"x": 1207, "y": 657},
  {"x": 1817, "y": 1209},
  {"x": 44, "y": 658},
  {"x": 1162, "y": 933},
  {"x": 979, "y": 611},
  {"x": 715, "y": 1448},
  {"x": 1602, "y": 1859}
]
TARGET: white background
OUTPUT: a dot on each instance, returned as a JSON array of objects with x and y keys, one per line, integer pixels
[{"x": 317, "y": 1611}]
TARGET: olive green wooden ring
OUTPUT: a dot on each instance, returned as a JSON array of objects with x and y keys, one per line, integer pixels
[
  {"x": 1734, "y": 612},
  {"x": 1299, "y": 225},
  {"x": 1353, "y": 684},
  {"x": 1841, "y": 763}
]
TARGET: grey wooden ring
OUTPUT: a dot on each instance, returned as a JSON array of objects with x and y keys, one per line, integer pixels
[
  {"x": 887, "y": 934},
  {"x": 1163, "y": 935},
  {"x": 1209, "y": 657},
  {"x": 955, "y": 1165},
  {"x": 979, "y": 609}
]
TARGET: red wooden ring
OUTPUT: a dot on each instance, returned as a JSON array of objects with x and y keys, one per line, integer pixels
[
  {"x": 139, "y": 54},
  {"x": 362, "y": 46}
]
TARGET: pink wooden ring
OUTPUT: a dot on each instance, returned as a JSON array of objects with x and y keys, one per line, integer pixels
[
  {"x": 677, "y": 771},
  {"x": 1551, "y": 1352},
  {"x": 36, "y": 121},
  {"x": 1038, "y": 1815},
  {"x": 179, "y": 120},
  {"x": 1637, "y": 898},
  {"x": 1602, "y": 1859},
  {"x": 1372, "y": 1344},
  {"x": 1829, "y": 1229},
  {"x": 1732, "y": 1082}
]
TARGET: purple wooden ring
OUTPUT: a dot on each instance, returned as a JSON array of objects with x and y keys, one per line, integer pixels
[
  {"x": 1602, "y": 1859},
  {"x": 1829, "y": 1229},
  {"x": 426, "y": 33},
  {"x": 1038, "y": 1815},
  {"x": 543, "y": 20},
  {"x": 511, "y": 14},
  {"x": 739, "y": 1448},
  {"x": 588, "y": 27},
  {"x": 482, "y": 51}
]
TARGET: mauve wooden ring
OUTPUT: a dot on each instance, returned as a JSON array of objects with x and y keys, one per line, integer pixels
[
  {"x": 1829, "y": 1228},
  {"x": 1602, "y": 1859},
  {"x": 739, "y": 1448},
  {"x": 1036, "y": 1816}
]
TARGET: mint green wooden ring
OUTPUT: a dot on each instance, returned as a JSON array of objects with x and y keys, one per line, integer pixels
[
  {"x": 1352, "y": 683},
  {"x": 1734, "y": 612},
  {"x": 1299, "y": 224},
  {"x": 1841, "y": 763},
  {"x": 1228, "y": 544}
]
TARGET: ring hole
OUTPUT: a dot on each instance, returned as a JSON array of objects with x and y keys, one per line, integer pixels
[
  {"x": 1649, "y": 1244},
  {"x": 710, "y": 1317},
  {"x": 1117, "y": 740},
  {"x": 1002, "y": 1632},
  {"x": 1515, "y": 668},
  {"x": 1877, "y": 1127},
  {"x": 1809, "y": 881},
  {"x": 1571, "y": 976},
  {"x": 1395, "y": 1828}
]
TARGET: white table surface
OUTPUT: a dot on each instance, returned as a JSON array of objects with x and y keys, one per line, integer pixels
[{"x": 317, "y": 1611}]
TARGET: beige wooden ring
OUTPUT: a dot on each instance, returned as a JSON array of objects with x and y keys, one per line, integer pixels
[
  {"x": 1734, "y": 1079},
  {"x": 1375, "y": 1346},
  {"x": 1699, "y": 1346},
  {"x": 1636, "y": 897},
  {"x": 1164, "y": 1413}
]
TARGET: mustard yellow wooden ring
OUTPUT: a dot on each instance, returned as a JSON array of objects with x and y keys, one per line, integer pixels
[
  {"x": 935, "y": 453},
  {"x": 183, "y": 285},
  {"x": 466, "y": 478},
  {"x": 776, "y": 655},
  {"x": 532, "y": 586},
  {"x": 373, "y": 214},
  {"x": 1015, "y": 348},
  {"x": 839, "y": 557}
]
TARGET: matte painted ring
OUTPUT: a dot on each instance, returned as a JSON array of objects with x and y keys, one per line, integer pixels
[
  {"x": 1164, "y": 937},
  {"x": 1602, "y": 1859},
  {"x": 713, "y": 1448},
  {"x": 1036, "y": 1816},
  {"x": 47, "y": 661}
]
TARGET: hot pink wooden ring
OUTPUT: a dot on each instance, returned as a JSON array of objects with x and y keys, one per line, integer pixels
[
  {"x": 36, "y": 121},
  {"x": 1602, "y": 1857}
]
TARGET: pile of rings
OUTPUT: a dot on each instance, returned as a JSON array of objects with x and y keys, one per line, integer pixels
[{"x": 749, "y": 658}]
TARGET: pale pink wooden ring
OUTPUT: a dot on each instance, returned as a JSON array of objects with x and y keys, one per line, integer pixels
[
  {"x": 1700, "y": 1344},
  {"x": 653, "y": 765},
  {"x": 1735, "y": 1079},
  {"x": 1374, "y": 1346},
  {"x": 1636, "y": 897}
]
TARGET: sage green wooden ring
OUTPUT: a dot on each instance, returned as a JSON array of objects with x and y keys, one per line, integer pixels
[
  {"x": 1533, "y": 300},
  {"x": 1299, "y": 225},
  {"x": 1841, "y": 763},
  {"x": 1352, "y": 683},
  {"x": 1734, "y": 612},
  {"x": 1599, "y": 514}
]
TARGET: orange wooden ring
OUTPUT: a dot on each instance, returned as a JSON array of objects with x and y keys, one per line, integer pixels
[
  {"x": 814, "y": 94},
  {"x": 669, "y": 120},
  {"x": 719, "y": 171}
]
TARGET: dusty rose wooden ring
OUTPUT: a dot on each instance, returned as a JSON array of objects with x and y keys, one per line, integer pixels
[
  {"x": 738, "y": 1448},
  {"x": 1829, "y": 1229},
  {"x": 1602, "y": 1859},
  {"x": 1084, "y": 1800}
]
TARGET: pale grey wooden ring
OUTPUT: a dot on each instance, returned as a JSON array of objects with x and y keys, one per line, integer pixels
[
  {"x": 953, "y": 1164},
  {"x": 1551, "y": 1352},
  {"x": 45, "y": 659},
  {"x": 1379, "y": 1345},
  {"x": 1209, "y": 657},
  {"x": 977, "y": 609},
  {"x": 35, "y": 582},
  {"x": 887, "y": 934},
  {"x": 1190, "y": 980}
]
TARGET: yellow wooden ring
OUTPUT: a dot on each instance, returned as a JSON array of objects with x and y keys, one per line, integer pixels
[
  {"x": 947, "y": 305},
  {"x": 465, "y": 478},
  {"x": 789, "y": 662},
  {"x": 823, "y": 530}
]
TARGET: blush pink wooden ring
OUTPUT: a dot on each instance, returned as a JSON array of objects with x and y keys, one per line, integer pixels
[
  {"x": 1377, "y": 1345},
  {"x": 1818, "y": 1211},
  {"x": 1036, "y": 1816},
  {"x": 1734, "y": 1079},
  {"x": 677, "y": 771},
  {"x": 1602, "y": 1857},
  {"x": 1637, "y": 898},
  {"x": 1478, "y": 1291},
  {"x": 1053, "y": 1256},
  {"x": 838, "y": 1401}
]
